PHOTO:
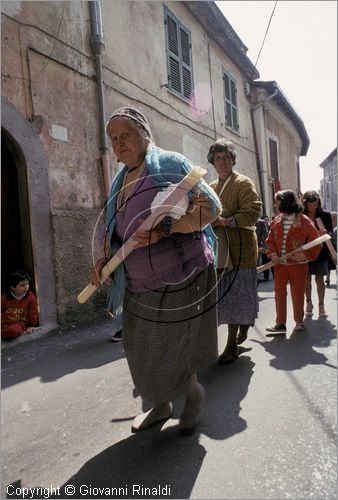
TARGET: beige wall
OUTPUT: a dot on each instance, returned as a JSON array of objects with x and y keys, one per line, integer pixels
[{"x": 137, "y": 69}]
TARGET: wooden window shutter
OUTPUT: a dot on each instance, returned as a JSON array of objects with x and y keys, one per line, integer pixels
[
  {"x": 178, "y": 57},
  {"x": 186, "y": 64},
  {"x": 273, "y": 158},
  {"x": 230, "y": 101}
]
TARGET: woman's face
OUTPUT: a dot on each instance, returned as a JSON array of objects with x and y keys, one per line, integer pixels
[
  {"x": 128, "y": 143},
  {"x": 312, "y": 206},
  {"x": 223, "y": 164},
  {"x": 277, "y": 205}
]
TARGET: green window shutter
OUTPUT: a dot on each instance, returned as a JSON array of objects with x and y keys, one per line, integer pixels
[
  {"x": 228, "y": 115},
  {"x": 273, "y": 158},
  {"x": 175, "y": 76},
  {"x": 179, "y": 61},
  {"x": 172, "y": 36},
  {"x": 230, "y": 102}
]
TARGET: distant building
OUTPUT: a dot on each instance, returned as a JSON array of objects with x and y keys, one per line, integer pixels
[
  {"x": 328, "y": 185},
  {"x": 281, "y": 139}
]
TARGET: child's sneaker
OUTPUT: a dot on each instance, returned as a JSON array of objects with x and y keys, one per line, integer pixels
[
  {"x": 309, "y": 309},
  {"x": 322, "y": 312},
  {"x": 278, "y": 328}
]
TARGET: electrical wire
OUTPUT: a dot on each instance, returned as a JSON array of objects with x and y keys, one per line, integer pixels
[{"x": 266, "y": 32}]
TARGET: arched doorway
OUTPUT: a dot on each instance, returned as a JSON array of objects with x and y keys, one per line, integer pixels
[
  {"x": 25, "y": 178},
  {"x": 16, "y": 247}
]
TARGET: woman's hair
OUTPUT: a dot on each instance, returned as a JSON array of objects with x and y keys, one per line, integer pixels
[
  {"x": 221, "y": 146},
  {"x": 310, "y": 197},
  {"x": 136, "y": 117},
  {"x": 289, "y": 202},
  {"x": 17, "y": 276}
]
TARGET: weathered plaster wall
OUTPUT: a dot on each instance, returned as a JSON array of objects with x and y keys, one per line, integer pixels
[
  {"x": 74, "y": 232},
  {"x": 48, "y": 67}
]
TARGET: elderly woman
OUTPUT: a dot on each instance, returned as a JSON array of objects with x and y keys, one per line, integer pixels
[
  {"x": 237, "y": 288},
  {"x": 168, "y": 281}
]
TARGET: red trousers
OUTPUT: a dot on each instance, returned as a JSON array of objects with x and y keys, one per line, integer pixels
[
  {"x": 296, "y": 275},
  {"x": 12, "y": 330}
]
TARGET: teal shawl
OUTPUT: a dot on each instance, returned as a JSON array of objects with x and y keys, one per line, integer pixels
[{"x": 165, "y": 167}]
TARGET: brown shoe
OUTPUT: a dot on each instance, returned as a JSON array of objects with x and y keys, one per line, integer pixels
[{"x": 227, "y": 358}]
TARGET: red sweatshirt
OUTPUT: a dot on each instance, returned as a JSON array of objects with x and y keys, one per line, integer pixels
[
  {"x": 302, "y": 231},
  {"x": 23, "y": 311}
]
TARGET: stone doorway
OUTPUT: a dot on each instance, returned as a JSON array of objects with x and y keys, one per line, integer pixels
[
  {"x": 16, "y": 244},
  {"x": 26, "y": 178}
]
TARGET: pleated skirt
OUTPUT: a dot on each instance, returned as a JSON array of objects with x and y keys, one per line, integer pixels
[{"x": 169, "y": 334}]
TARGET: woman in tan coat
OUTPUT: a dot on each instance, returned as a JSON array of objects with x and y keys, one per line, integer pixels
[{"x": 237, "y": 288}]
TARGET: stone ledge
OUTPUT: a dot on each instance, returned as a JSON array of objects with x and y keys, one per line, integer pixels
[{"x": 39, "y": 332}]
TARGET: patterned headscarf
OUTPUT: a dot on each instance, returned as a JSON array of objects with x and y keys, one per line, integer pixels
[{"x": 136, "y": 116}]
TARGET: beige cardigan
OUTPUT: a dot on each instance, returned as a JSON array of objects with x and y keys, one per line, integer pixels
[{"x": 241, "y": 201}]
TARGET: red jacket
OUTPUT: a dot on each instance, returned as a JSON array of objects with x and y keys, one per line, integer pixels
[
  {"x": 302, "y": 231},
  {"x": 23, "y": 311}
]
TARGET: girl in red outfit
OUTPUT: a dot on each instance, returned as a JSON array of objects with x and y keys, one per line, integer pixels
[
  {"x": 289, "y": 230},
  {"x": 19, "y": 312}
]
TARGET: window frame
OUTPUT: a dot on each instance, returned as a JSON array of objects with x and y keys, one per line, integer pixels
[
  {"x": 228, "y": 100},
  {"x": 182, "y": 65}
]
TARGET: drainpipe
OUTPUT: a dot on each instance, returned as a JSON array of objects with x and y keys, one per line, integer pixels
[
  {"x": 97, "y": 44},
  {"x": 258, "y": 163}
]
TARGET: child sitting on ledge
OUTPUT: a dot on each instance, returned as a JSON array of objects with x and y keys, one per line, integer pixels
[{"x": 19, "y": 312}]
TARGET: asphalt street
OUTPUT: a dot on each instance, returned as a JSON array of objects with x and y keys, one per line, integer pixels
[{"x": 269, "y": 428}]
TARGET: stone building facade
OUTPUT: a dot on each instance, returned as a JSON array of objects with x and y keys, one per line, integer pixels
[{"x": 328, "y": 185}]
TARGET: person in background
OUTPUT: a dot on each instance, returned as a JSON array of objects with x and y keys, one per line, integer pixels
[
  {"x": 262, "y": 233},
  {"x": 237, "y": 289},
  {"x": 19, "y": 311},
  {"x": 312, "y": 207},
  {"x": 168, "y": 282},
  {"x": 331, "y": 264},
  {"x": 265, "y": 258},
  {"x": 289, "y": 231}
]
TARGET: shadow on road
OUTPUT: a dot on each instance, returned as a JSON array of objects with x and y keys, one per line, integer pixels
[
  {"x": 297, "y": 351},
  {"x": 226, "y": 387},
  {"x": 150, "y": 459},
  {"x": 59, "y": 354},
  {"x": 159, "y": 456}
]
